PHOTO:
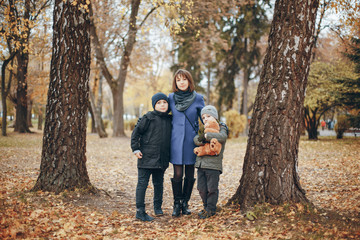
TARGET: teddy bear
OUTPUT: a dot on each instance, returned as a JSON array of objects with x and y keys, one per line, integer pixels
[{"x": 212, "y": 148}]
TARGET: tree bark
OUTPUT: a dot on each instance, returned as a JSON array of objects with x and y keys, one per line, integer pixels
[
  {"x": 271, "y": 160},
  {"x": 63, "y": 160}
]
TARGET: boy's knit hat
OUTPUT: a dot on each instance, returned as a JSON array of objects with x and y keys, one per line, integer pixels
[
  {"x": 211, "y": 110},
  {"x": 158, "y": 96}
]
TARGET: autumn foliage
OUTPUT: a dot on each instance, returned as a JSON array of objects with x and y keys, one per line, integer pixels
[{"x": 329, "y": 172}]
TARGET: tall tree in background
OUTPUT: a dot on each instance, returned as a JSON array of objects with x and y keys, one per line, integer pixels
[
  {"x": 19, "y": 18},
  {"x": 63, "y": 160},
  {"x": 244, "y": 31},
  {"x": 349, "y": 94},
  {"x": 271, "y": 160},
  {"x": 197, "y": 45}
]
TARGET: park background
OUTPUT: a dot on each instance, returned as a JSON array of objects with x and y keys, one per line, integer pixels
[{"x": 224, "y": 49}]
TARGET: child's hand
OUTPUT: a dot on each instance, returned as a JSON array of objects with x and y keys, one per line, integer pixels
[{"x": 138, "y": 155}]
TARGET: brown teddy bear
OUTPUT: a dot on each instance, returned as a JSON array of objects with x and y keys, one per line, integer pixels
[{"x": 212, "y": 148}]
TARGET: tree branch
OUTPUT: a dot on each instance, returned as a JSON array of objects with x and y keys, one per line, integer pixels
[
  {"x": 148, "y": 14},
  {"x": 99, "y": 52}
]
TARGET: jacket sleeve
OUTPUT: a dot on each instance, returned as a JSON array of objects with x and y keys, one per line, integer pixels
[
  {"x": 221, "y": 136},
  {"x": 139, "y": 130},
  {"x": 197, "y": 142}
]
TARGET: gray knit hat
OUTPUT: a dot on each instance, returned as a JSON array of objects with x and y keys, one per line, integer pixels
[{"x": 211, "y": 110}]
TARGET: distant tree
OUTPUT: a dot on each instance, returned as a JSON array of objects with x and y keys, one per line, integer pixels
[
  {"x": 5, "y": 89},
  {"x": 320, "y": 96},
  {"x": 243, "y": 32},
  {"x": 63, "y": 159},
  {"x": 271, "y": 160},
  {"x": 196, "y": 46},
  {"x": 19, "y": 19},
  {"x": 348, "y": 95}
]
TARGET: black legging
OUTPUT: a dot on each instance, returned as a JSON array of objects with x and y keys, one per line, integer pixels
[{"x": 179, "y": 172}]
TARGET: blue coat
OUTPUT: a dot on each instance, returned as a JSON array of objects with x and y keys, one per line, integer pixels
[{"x": 182, "y": 135}]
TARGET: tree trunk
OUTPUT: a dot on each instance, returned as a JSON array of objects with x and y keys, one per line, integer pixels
[
  {"x": 311, "y": 123},
  {"x": 92, "y": 115},
  {"x": 208, "y": 85},
  {"x": 270, "y": 164},
  {"x": 245, "y": 99},
  {"x": 29, "y": 113},
  {"x": 40, "y": 119},
  {"x": 99, "y": 104},
  {"x": 63, "y": 160},
  {"x": 118, "y": 120},
  {"x": 5, "y": 91},
  {"x": 97, "y": 117},
  {"x": 21, "y": 124}
]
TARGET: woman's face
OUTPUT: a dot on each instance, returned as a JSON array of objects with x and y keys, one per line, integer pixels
[{"x": 182, "y": 83}]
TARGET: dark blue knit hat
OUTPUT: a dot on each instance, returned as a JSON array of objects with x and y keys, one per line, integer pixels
[{"x": 158, "y": 96}]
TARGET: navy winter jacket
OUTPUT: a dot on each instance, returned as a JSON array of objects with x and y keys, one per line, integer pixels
[{"x": 152, "y": 137}]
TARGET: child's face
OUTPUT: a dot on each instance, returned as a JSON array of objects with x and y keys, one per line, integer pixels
[
  {"x": 205, "y": 117},
  {"x": 161, "y": 106},
  {"x": 182, "y": 82}
]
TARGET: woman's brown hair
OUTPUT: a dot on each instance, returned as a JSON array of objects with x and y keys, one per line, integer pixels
[{"x": 187, "y": 75}]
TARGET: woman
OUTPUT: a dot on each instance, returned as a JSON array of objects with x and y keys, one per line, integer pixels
[{"x": 186, "y": 106}]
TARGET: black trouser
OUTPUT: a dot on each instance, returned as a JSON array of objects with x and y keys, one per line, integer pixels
[
  {"x": 143, "y": 181},
  {"x": 208, "y": 186}
]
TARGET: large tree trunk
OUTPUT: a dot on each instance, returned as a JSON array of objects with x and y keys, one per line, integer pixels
[
  {"x": 63, "y": 160},
  {"x": 270, "y": 164}
]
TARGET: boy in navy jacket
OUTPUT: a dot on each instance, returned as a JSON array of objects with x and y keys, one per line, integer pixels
[{"x": 150, "y": 142}]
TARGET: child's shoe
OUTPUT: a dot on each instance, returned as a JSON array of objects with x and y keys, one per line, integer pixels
[
  {"x": 206, "y": 214},
  {"x": 201, "y": 212},
  {"x": 158, "y": 212},
  {"x": 143, "y": 216}
]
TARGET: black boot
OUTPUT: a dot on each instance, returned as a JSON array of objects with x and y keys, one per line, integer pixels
[
  {"x": 188, "y": 187},
  {"x": 177, "y": 192},
  {"x": 142, "y": 215}
]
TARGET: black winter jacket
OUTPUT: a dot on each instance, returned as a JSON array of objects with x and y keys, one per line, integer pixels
[{"x": 152, "y": 136}]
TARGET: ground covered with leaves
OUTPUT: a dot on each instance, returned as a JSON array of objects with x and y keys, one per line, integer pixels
[{"x": 329, "y": 170}]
